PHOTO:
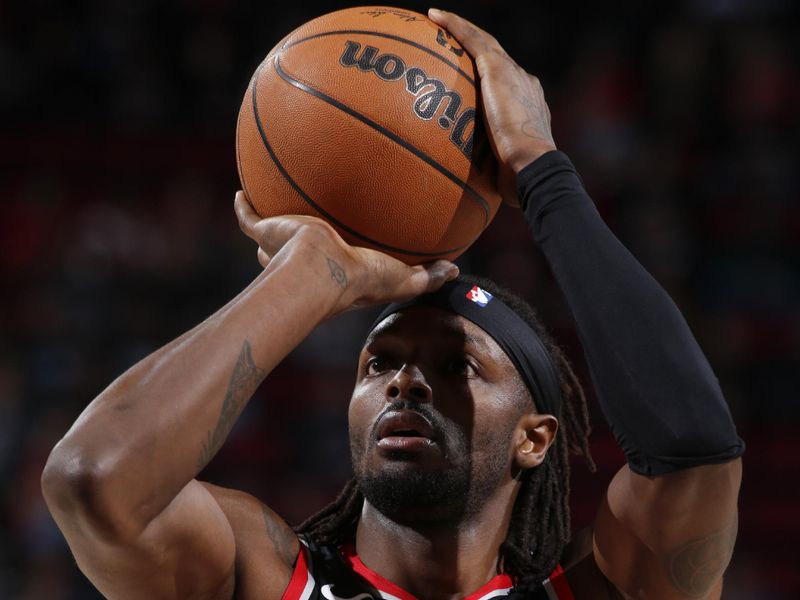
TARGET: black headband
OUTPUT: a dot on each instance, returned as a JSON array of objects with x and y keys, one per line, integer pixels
[{"x": 520, "y": 343}]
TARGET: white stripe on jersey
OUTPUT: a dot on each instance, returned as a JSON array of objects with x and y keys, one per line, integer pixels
[
  {"x": 493, "y": 593},
  {"x": 548, "y": 587},
  {"x": 309, "y": 586}
]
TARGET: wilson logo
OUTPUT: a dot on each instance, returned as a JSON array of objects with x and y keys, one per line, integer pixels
[{"x": 432, "y": 97}]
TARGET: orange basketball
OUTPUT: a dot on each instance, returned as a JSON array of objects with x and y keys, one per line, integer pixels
[{"x": 369, "y": 118}]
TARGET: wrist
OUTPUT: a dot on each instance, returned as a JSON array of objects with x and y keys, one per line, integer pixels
[
  {"x": 519, "y": 160},
  {"x": 308, "y": 274},
  {"x": 539, "y": 182}
]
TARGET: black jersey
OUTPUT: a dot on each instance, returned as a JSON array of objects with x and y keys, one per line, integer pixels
[{"x": 331, "y": 573}]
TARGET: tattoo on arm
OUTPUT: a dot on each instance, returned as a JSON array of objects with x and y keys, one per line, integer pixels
[
  {"x": 696, "y": 566},
  {"x": 337, "y": 273},
  {"x": 277, "y": 537},
  {"x": 537, "y": 119},
  {"x": 243, "y": 382}
]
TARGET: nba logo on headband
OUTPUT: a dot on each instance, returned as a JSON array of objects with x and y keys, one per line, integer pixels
[
  {"x": 479, "y": 296},
  {"x": 512, "y": 333}
]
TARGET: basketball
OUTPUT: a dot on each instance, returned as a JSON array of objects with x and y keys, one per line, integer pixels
[{"x": 369, "y": 118}]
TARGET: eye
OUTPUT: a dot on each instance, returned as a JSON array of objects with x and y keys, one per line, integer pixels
[
  {"x": 376, "y": 365},
  {"x": 463, "y": 366}
]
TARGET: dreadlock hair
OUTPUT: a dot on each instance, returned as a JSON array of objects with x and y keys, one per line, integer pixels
[{"x": 540, "y": 520}]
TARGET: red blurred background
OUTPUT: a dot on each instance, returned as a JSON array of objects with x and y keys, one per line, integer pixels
[{"x": 117, "y": 176}]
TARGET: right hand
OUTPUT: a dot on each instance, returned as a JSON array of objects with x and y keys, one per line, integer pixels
[
  {"x": 362, "y": 276},
  {"x": 516, "y": 114}
]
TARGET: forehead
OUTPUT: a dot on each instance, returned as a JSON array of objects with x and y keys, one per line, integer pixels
[{"x": 435, "y": 325}]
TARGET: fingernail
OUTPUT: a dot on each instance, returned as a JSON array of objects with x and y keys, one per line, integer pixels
[
  {"x": 452, "y": 272},
  {"x": 434, "y": 12}
]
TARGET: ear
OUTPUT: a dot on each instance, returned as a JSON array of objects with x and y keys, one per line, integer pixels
[{"x": 532, "y": 437}]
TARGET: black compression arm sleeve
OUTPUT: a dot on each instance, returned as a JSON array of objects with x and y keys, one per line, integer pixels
[{"x": 656, "y": 389}]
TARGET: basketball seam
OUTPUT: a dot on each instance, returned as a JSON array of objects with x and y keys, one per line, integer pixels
[
  {"x": 303, "y": 84},
  {"x": 305, "y": 87},
  {"x": 391, "y": 37},
  {"x": 321, "y": 210}
]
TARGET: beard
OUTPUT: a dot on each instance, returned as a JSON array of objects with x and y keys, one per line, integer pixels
[{"x": 410, "y": 494}]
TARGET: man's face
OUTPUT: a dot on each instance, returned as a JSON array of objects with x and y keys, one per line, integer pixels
[{"x": 432, "y": 414}]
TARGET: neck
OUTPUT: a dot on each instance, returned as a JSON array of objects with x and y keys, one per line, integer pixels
[{"x": 438, "y": 562}]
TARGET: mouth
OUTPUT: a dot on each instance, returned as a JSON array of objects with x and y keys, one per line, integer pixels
[
  {"x": 404, "y": 430},
  {"x": 406, "y": 433}
]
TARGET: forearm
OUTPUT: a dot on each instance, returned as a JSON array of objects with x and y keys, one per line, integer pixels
[
  {"x": 147, "y": 435},
  {"x": 653, "y": 382}
]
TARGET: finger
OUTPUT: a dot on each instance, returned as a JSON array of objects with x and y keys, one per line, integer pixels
[
  {"x": 263, "y": 258},
  {"x": 245, "y": 213},
  {"x": 429, "y": 278},
  {"x": 273, "y": 233},
  {"x": 474, "y": 39}
]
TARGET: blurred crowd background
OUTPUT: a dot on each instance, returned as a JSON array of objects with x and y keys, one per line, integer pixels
[{"x": 117, "y": 176}]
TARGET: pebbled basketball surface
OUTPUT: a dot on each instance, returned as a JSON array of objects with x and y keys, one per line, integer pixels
[{"x": 366, "y": 117}]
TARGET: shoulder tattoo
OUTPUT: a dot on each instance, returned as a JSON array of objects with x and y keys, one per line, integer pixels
[
  {"x": 280, "y": 540},
  {"x": 694, "y": 567}
]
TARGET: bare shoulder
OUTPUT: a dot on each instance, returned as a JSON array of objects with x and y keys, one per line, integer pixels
[{"x": 266, "y": 547}]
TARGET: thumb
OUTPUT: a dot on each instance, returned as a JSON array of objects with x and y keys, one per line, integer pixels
[{"x": 507, "y": 185}]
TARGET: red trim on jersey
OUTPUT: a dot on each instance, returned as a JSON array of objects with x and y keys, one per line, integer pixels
[
  {"x": 301, "y": 574},
  {"x": 382, "y": 584},
  {"x": 499, "y": 582},
  {"x": 299, "y": 577},
  {"x": 558, "y": 579}
]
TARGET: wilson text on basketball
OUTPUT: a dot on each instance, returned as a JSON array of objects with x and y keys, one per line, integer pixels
[{"x": 430, "y": 93}]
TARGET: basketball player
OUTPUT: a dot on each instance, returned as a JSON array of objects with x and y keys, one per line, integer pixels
[{"x": 461, "y": 419}]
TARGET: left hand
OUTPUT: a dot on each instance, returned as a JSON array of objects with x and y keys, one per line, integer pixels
[
  {"x": 517, "y": 116},
  {"x": 362, "y": 276}
]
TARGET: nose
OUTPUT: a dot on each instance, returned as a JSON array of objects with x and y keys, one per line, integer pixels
[{"x": 408, "y": 384}]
